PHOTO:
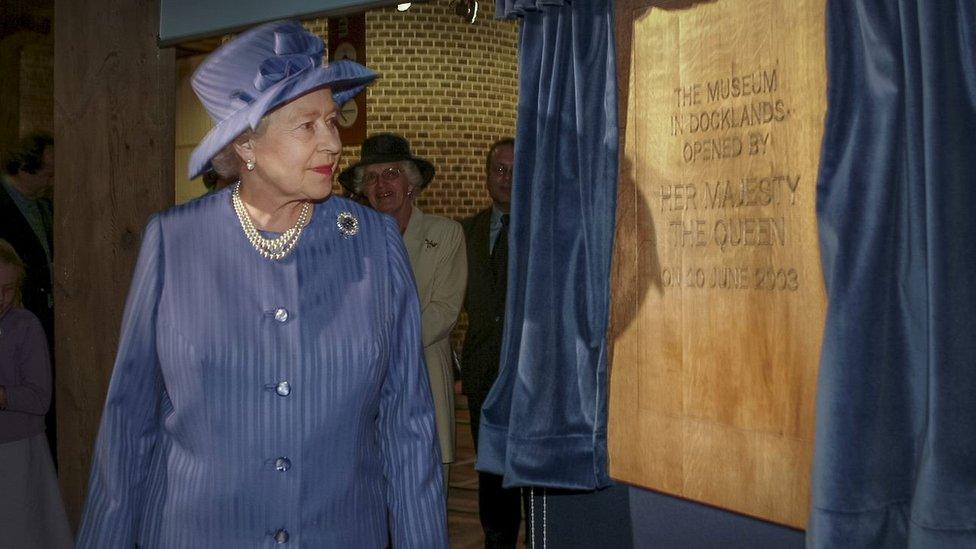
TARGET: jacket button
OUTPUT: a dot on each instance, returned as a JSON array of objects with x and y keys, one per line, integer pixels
[
  {"x": 281, "y": 536},
  {"x": 283, "y": 388},
  {"x": 281, "y": 315},
  {"x": 282, "y": 464}
]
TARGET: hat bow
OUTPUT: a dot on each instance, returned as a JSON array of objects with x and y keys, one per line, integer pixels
[{"x": 295, "y": 53}]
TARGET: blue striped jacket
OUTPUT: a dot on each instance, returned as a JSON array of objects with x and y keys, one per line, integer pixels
[{"x": 256, "y": 403}]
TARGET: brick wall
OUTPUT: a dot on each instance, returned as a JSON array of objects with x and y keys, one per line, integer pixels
[
  {"x": 26, "y": 85},
  {"x": 448, "y": 86},
  {"x": 37, "y": 87}
]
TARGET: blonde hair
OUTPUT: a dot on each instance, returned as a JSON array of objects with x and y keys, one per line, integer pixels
[{"x": 8, "y": 256}]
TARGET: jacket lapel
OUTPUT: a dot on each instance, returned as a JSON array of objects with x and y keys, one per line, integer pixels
[{"x": 413, "y": 237}]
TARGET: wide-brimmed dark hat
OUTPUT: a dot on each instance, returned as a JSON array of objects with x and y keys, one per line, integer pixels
[
  {"x": 382, "y": 148},
  {"x": 258, "y": 71}
]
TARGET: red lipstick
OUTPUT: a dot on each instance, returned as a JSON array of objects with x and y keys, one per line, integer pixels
[{"x": 324, "y": 170}]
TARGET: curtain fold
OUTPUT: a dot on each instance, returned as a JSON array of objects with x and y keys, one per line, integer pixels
[
  {"x": 895, "y": 455},
  {"x": 544, "y": 421},
  {"x": 510, "y": 9}
]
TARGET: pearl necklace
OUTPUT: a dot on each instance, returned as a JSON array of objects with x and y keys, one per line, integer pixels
[{"x": 276, "y": 248}]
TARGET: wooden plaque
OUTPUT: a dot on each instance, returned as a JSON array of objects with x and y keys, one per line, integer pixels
[{"x": 716, "y": 351}]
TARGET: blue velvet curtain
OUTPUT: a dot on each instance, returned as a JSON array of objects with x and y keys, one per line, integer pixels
[
  {"x": 544, "y": 422},
  {"x": 895, "y": 458}
]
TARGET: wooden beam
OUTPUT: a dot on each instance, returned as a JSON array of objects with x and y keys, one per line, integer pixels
[{"x": 114, "y": 112}]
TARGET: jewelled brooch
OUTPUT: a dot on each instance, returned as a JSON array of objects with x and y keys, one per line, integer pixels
[{"x": 348, "y": 224}]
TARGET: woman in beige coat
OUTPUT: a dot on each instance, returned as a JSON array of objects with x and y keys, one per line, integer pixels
[{"x": 390, "y": 178}]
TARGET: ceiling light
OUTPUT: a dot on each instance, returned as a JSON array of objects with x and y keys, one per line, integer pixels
[{"x": 404, "y": 6}]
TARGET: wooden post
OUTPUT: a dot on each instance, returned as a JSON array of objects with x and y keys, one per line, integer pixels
[{"x": 113, "y": 91}]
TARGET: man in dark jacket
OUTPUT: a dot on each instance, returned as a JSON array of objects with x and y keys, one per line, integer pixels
[{"x": 487, "y": 246}]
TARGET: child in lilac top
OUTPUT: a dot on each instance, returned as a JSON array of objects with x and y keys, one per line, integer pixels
[
  {"x": 31, "y": 510},
  {"x": 25, "y": 373}
]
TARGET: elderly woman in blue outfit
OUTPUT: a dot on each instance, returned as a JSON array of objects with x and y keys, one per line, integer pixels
[{"x": 270, "y": 385}]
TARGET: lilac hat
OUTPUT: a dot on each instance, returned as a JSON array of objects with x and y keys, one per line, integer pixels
[{"x": 259, "y": 70}]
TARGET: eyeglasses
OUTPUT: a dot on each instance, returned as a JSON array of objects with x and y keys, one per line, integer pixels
[
  {"x": 500, "y": 171},
  {"x": 389, "y": 174}
]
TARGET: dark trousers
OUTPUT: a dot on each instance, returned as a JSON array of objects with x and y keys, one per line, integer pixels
[{"x": 500, "y": 509}]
